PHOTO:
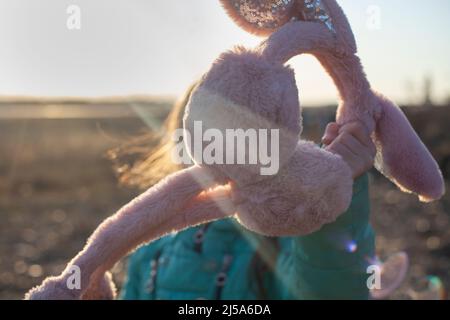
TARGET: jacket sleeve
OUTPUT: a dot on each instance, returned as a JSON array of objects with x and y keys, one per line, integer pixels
[{"x": 332, "y": 263}]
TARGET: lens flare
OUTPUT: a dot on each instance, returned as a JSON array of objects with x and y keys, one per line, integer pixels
[
  {"x": 393, "y": 273},
  {"x": 352, "y": 246}
]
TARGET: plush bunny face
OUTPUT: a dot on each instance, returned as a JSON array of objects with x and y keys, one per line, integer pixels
[{"x": 243, "y": 91}]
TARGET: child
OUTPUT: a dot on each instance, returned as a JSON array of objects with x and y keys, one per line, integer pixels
[{"x": 222, "y": 260}]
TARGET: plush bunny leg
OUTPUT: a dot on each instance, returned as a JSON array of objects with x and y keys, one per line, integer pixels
[
  {"x": 344, "y": 33},
  {"x": 296, "y": 38},
  {"x": 148, "y": 217},
  {"x": 402, "y": 157},
  {"x": 358, "y": 103},
  {"x": 337, "y": 55}
]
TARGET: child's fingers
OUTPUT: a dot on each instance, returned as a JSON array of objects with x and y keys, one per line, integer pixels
[
  {"x": 358, "y": 156},
  {"x": 331, "y": 133},
  {"x": 348, "y": 156},
  {"x": 352, "y": 143},
  {"x": 365, "y": 154},
  {"x": 345, "y": 152},
  {"x": 359, "y": 131}
]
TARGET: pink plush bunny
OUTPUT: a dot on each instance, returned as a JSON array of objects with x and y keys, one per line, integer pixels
[{"x": 253, "y": 89}]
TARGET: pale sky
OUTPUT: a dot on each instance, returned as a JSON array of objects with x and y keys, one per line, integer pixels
[{"x": 160, "y": 47}]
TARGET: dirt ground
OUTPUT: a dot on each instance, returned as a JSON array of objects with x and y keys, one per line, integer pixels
[{"x": 56, "y": 185}]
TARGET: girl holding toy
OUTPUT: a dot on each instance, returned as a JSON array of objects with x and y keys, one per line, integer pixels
[
  {"x": 222, "y": 260},
  {"x": 310, "y": 234}
]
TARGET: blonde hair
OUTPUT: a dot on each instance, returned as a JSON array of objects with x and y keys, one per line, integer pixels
[{"x": 145, "y": 160}]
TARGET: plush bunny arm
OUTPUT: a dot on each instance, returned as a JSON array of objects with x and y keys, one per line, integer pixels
[
  {"x": 338, "y": 56},
  {"x": 150, "y": 216},
  {"x": 208, "y": 206},
  {"x": 402, "y": 157}
]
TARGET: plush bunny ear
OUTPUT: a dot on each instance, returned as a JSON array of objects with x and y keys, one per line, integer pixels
[
  {"x": 175, "y": 203},
  {"x": 260, "y": 17},
  {"x": 263, "y": 17}
]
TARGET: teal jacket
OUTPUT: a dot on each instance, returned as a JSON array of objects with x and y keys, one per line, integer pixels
[{"x": 215, "y": 262}]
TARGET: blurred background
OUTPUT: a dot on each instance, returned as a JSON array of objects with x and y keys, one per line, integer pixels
[{"x": 68, "y": 95}]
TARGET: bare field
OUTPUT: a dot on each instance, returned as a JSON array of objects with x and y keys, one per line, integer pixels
[{"x": 56, "y": 185}]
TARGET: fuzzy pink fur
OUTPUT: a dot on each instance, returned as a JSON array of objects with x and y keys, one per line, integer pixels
[
  {"x": 149, "y": 217},
  {"x": 249, "y": 27},
  {"x": 402, "y": 157},
  {"x": 313, "y": 189},
  {"x": 298, "y": 37}
]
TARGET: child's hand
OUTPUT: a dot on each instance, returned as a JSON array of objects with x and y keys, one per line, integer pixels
[{"x": 353, "y": 143}]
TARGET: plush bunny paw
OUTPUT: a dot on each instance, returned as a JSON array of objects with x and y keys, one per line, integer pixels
[{"x": 53, "y": 288}]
